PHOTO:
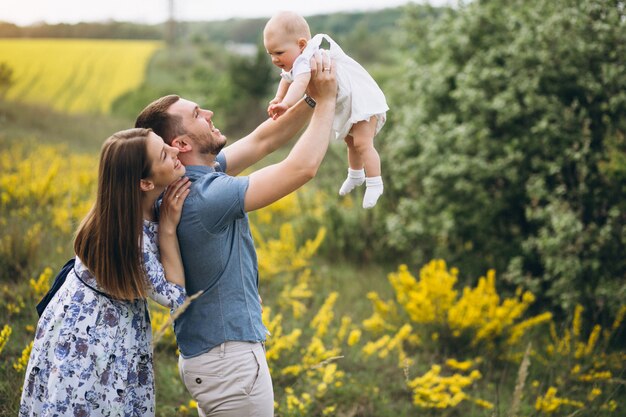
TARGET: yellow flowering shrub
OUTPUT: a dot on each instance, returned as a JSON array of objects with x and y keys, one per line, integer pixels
[
  {"x": 41, "y": 285},
  {"x": 431, "y": 313},
  {"x": 432, "y": 304},
  {"x": 284, "y": 254},
  {"x": 444, "y": 388},
  {"x": 580, "y": 369},
  {"x": 44, "y": 192},
  {"x": 550, "y": 402},
  {"x": 304, "y": 362}
]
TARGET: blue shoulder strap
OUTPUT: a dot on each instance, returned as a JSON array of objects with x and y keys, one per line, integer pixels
[{"x": 58, "y": 282}]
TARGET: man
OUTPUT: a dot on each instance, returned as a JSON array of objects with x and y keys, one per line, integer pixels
[{"x": 221, "y": 335}]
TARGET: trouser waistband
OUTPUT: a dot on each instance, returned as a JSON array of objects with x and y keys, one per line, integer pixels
[{"x": 231, "y": 346}]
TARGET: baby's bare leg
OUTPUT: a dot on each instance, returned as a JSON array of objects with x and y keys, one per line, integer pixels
[
  {"x": 356, "y": 175},
  {"x": 361, "y": 153},
  {"x": 363, "y": 143},
  {"x": 355, "y": 161}
]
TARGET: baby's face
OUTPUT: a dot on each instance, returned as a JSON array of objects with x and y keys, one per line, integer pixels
[{"x": 282, "y": 49}]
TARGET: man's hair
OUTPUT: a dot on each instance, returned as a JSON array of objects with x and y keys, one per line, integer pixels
[
  {"x": 156, "y": 117},
  {"x": 290, "y": 23}
]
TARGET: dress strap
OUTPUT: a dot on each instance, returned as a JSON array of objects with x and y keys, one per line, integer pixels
[
  {"x": 90, "y": 286},
  {"x": 317, "y": 41}
]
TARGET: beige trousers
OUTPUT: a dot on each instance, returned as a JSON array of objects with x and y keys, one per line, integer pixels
[{"x": 232, "y": 379}]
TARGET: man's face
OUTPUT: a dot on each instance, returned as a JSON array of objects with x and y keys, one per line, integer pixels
[{"x": 198, "y": 125}]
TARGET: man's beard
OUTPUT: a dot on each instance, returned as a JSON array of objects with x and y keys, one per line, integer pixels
[{"x": 206, "y": 144}]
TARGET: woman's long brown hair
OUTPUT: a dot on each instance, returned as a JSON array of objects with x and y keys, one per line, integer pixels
[{"x": 109, "y": 239}]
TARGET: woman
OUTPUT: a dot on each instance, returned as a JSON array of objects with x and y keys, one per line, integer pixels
[{"x": 92, "y": 352}]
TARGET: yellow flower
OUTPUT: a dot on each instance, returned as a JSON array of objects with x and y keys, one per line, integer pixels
[
  {"x": 329, "y": 410},
  {"x": 4, "y": 336},
  {"x": 42, "y": 284},
  {"x": 550, "y": 402},
  {"x": 595, "y": 376},
  {"x": 434, "y": 390},
  {"x": 325, "y": 315},
  {"x": 483, "y": 403},
  {"x": 619, "y": 318},
  {"x": 593, "y": 339},
  {"x": 354, "y": 337},
  {"x": 22, "y": 362},
  {"x": 593, "y": 394},
  {"x": 462, "y": 366},
  {"x": 577, "y": 321}
]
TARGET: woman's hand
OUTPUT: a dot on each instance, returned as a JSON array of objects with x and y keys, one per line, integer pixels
[{"x": 172, "y": 205}]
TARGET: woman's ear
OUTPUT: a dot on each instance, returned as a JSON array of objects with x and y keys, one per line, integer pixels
[{"x": 146, "y": 185}]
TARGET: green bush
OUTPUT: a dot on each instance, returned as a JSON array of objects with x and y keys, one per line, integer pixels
[{"x": 508, "y": 148}]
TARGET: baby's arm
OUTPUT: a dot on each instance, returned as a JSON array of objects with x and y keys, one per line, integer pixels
[
  {"x": 295, "y": 92},
  {"x": 283, "y": 86}
]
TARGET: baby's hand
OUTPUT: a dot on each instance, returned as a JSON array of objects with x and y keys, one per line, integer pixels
[
  {"x": 277, "y": 110},
  {"x": 275, "y": 100}
]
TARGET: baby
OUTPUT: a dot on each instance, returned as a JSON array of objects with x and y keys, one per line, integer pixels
[{"x": 361, "y": 105}]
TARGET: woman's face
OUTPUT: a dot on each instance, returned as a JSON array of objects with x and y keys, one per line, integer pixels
[{"x": 165, "y": 165}]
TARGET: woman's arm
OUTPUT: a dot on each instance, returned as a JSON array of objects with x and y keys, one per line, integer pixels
[{"x": 171, "y": 209}]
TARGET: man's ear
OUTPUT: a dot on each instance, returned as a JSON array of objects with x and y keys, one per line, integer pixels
[
  {"x": 146, "y": 185},
  {"x": 182, "y": 143}
]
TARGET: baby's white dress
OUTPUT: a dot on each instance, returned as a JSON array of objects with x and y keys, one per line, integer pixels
[{"x": 358, "y": 96}]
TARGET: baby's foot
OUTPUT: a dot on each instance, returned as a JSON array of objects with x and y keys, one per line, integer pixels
[
  {"x": 374, "y": 189},
  {"x": 355, "y": 178}
]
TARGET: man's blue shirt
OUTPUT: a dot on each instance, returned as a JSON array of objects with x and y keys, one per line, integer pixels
[{"x": 220, "y": 259}]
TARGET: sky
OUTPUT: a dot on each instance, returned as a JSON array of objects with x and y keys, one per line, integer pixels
[{"x": 26, "y": 12}]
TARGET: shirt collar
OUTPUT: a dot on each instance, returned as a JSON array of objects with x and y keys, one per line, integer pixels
[{"x": 196, "y": 171}]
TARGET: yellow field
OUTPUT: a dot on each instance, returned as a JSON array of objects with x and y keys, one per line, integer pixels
[{"x": 75, "y": 76}]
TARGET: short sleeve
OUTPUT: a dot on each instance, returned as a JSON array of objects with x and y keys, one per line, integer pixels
[
  {"x": 222, "y": 199},
  {"x": 220, "y": 162},
  {"x": 301, "y": 65},
  {"x": 160, "y": 289}
]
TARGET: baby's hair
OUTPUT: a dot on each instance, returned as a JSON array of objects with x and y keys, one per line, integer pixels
[{"x": 290, "y": 23}]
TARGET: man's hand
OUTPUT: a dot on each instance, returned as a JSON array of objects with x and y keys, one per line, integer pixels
[{"x": 323, "y": 84}]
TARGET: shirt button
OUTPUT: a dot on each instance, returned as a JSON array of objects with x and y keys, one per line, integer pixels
[{"x": 198, "y": 381}]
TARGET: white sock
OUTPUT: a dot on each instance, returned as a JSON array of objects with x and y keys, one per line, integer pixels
[
  {"x": 355, "y": 178},
  {"x": 373, "y": 191}
]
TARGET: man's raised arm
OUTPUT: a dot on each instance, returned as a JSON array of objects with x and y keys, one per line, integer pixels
[
  {"x": 265, "y": 139},
  {"x": 276, "y": 181}
]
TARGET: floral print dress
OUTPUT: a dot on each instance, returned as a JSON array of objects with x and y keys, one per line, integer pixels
[{"x": 92, "y": 355}]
